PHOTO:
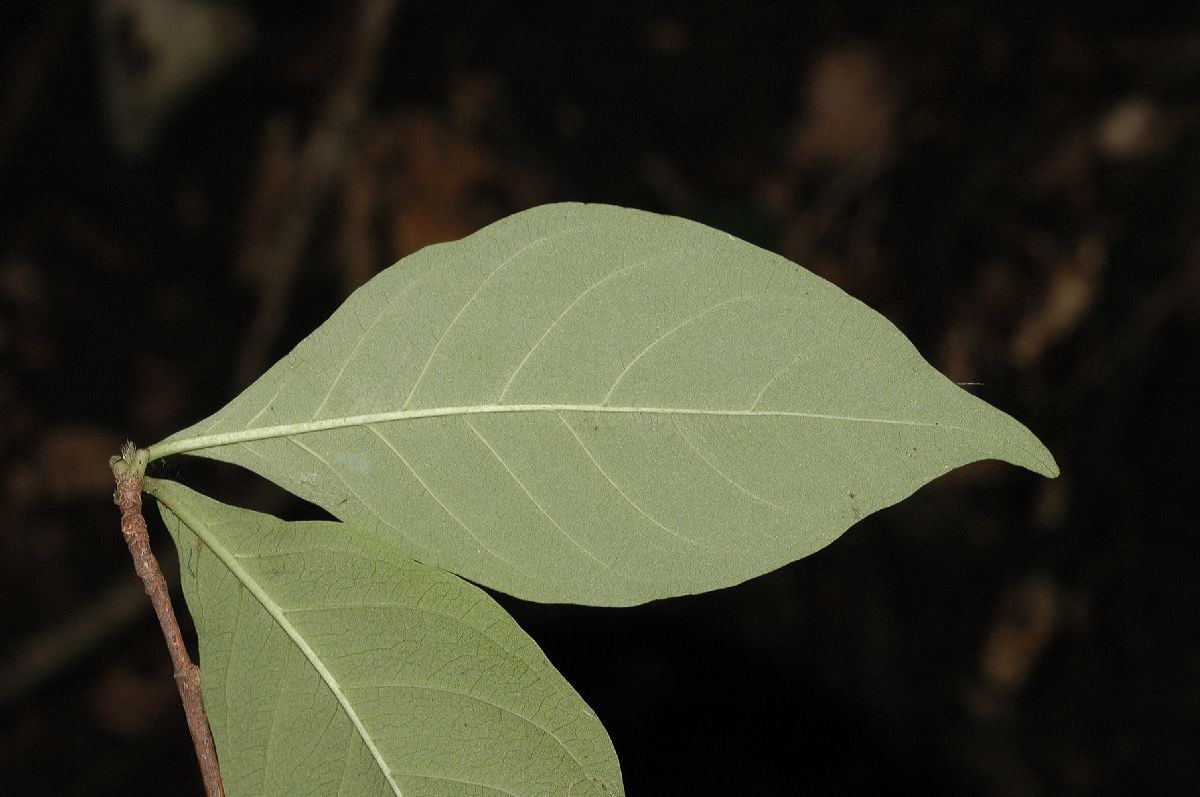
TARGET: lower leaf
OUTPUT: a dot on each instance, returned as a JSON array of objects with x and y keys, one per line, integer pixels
[{"x": 333, "y": 665}]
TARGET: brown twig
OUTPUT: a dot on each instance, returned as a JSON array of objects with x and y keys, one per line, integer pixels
[{"x": 128, "y": 470}]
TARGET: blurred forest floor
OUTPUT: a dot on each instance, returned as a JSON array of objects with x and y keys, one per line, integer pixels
[{"x": 191, "y": 187}]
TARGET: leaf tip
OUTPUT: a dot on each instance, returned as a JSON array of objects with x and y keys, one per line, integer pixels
[
  {"x": 1050, "y": 467},
  {"x": 1037, "y": 458}
]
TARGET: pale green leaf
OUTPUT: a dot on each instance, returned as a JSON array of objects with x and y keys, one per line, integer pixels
[
  {"x": 593, "y": 404},
  {"x": 334, "y": 665}
]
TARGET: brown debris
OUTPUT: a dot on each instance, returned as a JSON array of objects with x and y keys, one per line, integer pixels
[
  {"x": 1065, "y": 302},
  {"x": 850, "y": 110},
  {"x": 1134, "y": 129},
  {"x": 152, "y": 53},
  {"x": 432, "y": 176},
  {"x": 1026, "y": 621}
]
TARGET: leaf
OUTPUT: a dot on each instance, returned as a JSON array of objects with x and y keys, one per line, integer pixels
[
  {"x": 334, "y": 665},
  {"x": 592, "y": 404}
]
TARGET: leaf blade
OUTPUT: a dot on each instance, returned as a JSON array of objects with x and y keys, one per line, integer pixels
[
  {"x": 563, "y": 329},
  {"x": 436, "y": 683}
]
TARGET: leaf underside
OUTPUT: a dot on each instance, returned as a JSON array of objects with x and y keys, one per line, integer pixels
[
  {"x": 335, "y": 665},
  {"x": 584, "y": 403}
]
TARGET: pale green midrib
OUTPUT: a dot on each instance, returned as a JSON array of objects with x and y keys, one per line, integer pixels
[
  {"x": 230, "y": 561},
  {"x": 187, "y": 444}
]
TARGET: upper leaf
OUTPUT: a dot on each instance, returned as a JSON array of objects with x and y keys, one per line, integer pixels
[
  {"x": 592, "y": 404},
  {"x": 335, "y": 665}
]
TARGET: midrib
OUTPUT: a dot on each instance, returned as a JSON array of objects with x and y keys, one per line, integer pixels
[{"x": 185, "y": 444}]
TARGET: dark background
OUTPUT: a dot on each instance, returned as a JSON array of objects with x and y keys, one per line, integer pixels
[{"x": 1018, "y": 191}]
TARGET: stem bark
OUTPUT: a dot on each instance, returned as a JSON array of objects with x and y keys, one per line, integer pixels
[{"x": 128, "y": 471}]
